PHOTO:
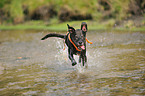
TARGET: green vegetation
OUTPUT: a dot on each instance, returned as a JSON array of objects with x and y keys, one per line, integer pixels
[
  {"x": 55, "y": 14},
  {"x": 40, "y": 25}
]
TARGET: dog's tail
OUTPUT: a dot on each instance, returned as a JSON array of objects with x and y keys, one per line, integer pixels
[{"x": 53, "y": 35}]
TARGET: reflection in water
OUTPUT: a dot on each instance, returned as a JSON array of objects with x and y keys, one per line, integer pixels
[{"x": 29, "y": 66}]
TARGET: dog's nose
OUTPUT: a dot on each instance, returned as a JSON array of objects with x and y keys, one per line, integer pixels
[{"x": 80, "y": 43}]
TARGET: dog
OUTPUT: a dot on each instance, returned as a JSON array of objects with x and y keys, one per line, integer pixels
[{"x": 76, "y": 43}]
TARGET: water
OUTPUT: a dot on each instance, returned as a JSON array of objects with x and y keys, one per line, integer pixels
[{"x": 29, "y": 66}]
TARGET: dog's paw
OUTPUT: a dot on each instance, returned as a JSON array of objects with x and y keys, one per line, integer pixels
[{"x": 74, "y": 63}]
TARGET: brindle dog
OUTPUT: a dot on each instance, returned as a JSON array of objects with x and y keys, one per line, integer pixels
[{"x": 76, "y": 42}]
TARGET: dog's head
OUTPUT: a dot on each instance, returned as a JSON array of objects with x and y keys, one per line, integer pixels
[
  {"x": 80, "y": 39},
  {"x": 77, "y": 37}
]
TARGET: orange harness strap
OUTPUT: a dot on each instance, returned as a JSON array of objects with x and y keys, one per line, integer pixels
[
  {"x": 73, "y": 43},
  {"x": 89, "y": 41}
]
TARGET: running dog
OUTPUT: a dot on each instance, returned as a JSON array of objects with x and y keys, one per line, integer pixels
[{"x": 76, "y": 42}]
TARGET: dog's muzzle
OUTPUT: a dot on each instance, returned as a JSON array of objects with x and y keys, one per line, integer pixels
[{"x": 82, "y": 47}]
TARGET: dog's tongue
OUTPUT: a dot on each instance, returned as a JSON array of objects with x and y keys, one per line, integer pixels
[{"x": 83, "y": 47}]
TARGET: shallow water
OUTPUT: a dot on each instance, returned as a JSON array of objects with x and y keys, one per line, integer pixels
[{"x": 29, "y": 66}]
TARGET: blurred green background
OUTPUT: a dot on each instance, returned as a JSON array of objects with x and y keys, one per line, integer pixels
[{"x": 54, "y": 14}]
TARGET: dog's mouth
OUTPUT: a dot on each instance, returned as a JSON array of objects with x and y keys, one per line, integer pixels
[{"x": 82, "y": 47}]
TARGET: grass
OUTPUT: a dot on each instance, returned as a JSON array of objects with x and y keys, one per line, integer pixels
[
  {"x": 118, "y": 11},
  {"x": 92, "y": 25}
]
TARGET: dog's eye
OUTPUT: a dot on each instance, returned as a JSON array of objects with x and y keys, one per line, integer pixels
[
  {"x": 82, "y": 36},
  {"x": 76, "y": 36}
]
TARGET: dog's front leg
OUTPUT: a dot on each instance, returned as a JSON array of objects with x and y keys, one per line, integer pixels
[
  {"x": 85, "y": 58},
  {"x": 80, "y": 59},
  {"x": 71, "y": 57}
]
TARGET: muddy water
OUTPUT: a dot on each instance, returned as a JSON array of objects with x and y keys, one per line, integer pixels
[{"x": 29, "y": 66}]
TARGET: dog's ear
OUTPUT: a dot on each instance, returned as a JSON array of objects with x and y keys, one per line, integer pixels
[
  {"x": 68, "y": 26},
  {"x": 70, "y": 29},
  {"x": 84, "y": 26}
]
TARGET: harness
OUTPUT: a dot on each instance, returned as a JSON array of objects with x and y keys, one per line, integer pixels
[
  {"x": 89, "y": 41},
  {"x": 74, "y": 43}
]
